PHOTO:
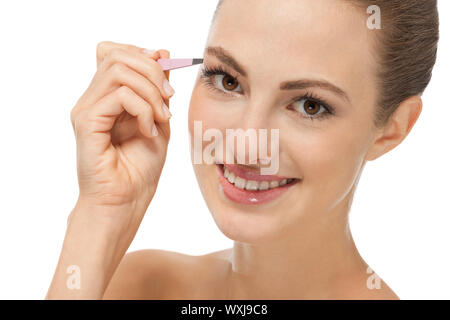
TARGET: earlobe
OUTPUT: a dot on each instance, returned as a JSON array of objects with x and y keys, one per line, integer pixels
[{"x": 397, "y": 128}]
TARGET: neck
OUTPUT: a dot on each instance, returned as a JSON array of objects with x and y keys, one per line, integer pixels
[{"x": 309, "y": 261}]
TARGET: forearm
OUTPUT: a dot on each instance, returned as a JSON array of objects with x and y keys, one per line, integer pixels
[{"x": 91, "y": 252}]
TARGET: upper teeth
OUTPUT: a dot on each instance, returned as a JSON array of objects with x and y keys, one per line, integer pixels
[{"x": 253, "y": 185}]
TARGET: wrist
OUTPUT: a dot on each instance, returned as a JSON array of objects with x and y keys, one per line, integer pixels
[
  {"x": 111, "y": 220},
  {"x": 90, "y": 239}
]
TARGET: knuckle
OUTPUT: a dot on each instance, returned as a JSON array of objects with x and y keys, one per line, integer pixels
[
  {"x": 118, "y": 68},
  {"x": 131, "y": 47},
  {"x": 149, "y": 107},
  {"x": 123, "y": 93},
  {"x": 73, "y": 114},
  {"x": 153, "y": 92},
  {"x": 110, "y": 59},
  {"x": 154, "y": 70},
  {"x": 101, "y": 47},
  {"x": 157, "y": 72},
  {"x": 115, "y": 54}
]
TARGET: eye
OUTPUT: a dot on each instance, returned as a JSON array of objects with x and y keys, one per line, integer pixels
[
  {"x": 219, "y": 80},
  {"x": 311, "y": 108},
  {"x": 226, "y": 82}
]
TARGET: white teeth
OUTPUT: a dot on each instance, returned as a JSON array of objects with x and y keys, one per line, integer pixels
[
  {"x": 240, "y": 182},
  {"x": 253, "y": 185},
  {"x": 231, "y": 177},
  {"x": 264, "y": 185},
  {"x": 274, "y": 184}
]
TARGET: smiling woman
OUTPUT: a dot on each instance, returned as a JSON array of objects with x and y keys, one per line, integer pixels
[
  {"x": 330, "y": 67},
  {"x": 339, "y": 94}
]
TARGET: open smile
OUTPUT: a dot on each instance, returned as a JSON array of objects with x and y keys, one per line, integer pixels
[{"x": 246, "y": 186}]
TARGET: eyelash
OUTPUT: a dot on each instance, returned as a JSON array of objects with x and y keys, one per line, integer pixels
[{"x": 208, "y": 73}]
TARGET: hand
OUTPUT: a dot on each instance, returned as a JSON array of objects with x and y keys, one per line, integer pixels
[{"x": 122, "y": 130}]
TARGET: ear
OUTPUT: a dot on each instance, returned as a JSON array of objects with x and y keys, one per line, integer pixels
[{"x": 397, "y": 128}]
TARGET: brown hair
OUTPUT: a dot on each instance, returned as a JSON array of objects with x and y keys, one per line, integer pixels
[{"x": 406, "y": 47}]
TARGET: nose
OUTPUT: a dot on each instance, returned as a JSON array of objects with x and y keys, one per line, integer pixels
[{"x": 253, "y": 144}]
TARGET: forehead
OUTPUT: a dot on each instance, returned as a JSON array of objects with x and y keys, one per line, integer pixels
[{"x": 323, "y": 39}]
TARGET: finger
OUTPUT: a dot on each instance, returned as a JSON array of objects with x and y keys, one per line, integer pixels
[
  {"x": 121, "y": 75},
  {"x": 104, "y": 47},
  {"x": 141, "y": 63},
  {"x": 103, "y": 115},
  {"x": 166, "y": 55}
]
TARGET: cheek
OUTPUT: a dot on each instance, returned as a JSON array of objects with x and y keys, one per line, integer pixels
[
  {"x": 208, "y": 111},
  {"x": 329, "y": 161},
  {"x": 208, "y": 121}
]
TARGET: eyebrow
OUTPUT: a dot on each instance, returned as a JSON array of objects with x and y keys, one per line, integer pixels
[
  {"x": 225, "y": 57},
  {"x": 306, "y": 83}
]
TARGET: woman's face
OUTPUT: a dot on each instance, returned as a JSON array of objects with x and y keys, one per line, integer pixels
[{"x": 303, "y": 67}]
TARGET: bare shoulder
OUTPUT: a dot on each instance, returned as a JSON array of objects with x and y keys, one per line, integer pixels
[
  {"x": 161, "y": 274},
  {"x": 362, "y": 287},
  {"x": 382, "y": 293}
]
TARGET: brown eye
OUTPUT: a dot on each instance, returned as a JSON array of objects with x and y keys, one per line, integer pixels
[
  {"x": 229, "y": 83},
  {"x": 311, "y": 107}
]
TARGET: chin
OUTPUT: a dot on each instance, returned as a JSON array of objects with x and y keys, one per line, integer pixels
[
  {"x": 246, "y": 227},
  {"x": 251, "y": 216}
]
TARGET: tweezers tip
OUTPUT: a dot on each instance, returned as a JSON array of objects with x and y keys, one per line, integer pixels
[{"x": 197, "y": 61}]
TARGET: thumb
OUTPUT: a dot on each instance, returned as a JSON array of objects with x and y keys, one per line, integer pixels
[{"x": 166, "y": 55}]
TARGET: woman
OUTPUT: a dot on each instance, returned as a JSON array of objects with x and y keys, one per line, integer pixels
[{"x": 340, "y": 90}]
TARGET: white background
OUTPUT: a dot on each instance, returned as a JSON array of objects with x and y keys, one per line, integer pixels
[{"x": 400, "y": 217}]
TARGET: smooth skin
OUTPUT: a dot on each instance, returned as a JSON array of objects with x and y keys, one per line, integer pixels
[{"x": 298, "y": 246}]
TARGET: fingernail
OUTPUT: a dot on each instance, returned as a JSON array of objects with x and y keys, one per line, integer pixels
[
  {"x": 168, "y": 88},
  {"x": 154, "y": 130},
  {"x": 148, "y": 51},
  {"x": 166, "y": 111}
]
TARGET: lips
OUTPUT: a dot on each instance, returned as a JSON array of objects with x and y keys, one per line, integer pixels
[{"x": 247, "y": 186}]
